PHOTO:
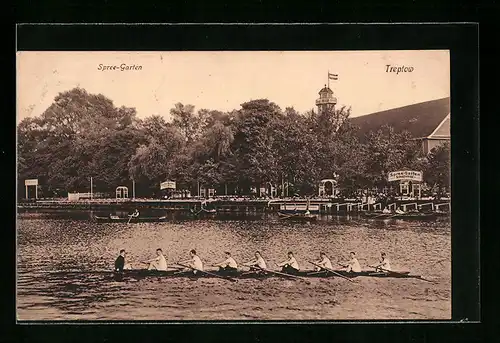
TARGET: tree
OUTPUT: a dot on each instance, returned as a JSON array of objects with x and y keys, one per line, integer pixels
[
  {"x": 60, "y": 146},
  {"x": 254, "y": 158},
  {"x": 157, "y": 160},
  {"x": 388, "y": 151},
  {"x": 186, "y": 121},
  {"x": 437, "y": 173}
]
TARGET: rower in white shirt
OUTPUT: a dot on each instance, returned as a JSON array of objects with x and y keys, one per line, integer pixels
[
  {"x": 258, "y": 262},
  {"x": 290, "y": 266},
  {"x": 229, "y": 265},
  {"x": 323, "y": 261},
  {"x": 195, "y": 262},
  {"x": 353, "y": 264},
  {"x": 157, "y": 263},
  {"x": 384, "y": 264}
]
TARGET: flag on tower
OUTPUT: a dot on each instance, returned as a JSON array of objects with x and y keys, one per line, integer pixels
[{"x": 333, "y": 76}]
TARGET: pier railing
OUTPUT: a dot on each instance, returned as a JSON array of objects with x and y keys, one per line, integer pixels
[
  {"x": 426, "y": 204},
  {"x": 405, "y": 206}
]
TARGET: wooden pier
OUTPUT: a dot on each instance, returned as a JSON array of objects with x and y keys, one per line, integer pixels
[{"x": 319, "y": 206}]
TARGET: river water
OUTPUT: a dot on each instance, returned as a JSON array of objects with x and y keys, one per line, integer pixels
[{"x": 49, "y": 244}]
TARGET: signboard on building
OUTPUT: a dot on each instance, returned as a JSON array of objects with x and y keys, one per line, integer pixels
[
  {"x": 167, "y": 185},
  {"x": 407, "y": 175},
  {"x": 31, "y": 182}
]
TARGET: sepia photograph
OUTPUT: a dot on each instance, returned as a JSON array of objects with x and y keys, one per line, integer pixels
[{"x": 233, "y": 185}]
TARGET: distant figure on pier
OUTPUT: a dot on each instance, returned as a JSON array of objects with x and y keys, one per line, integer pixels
[
  {"x": 228, "y": 265},
  {"x": 384, "y": 264},
  {"x": 157, "y": 263},
  {"x": 323, "y": 261},
  {"x": 258, "y": 262},
  {"x": 290, "y": 266},
  {"x": 195, "y": 262},
  {"x": 353, "y": 264},
  {"x": 120, "y": 264}
]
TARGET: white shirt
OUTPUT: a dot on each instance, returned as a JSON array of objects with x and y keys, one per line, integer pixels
[
  {"x": 196, "y": 263},
  {"x": 260, "y": 262},
  {"x": 230, "y": 262},
  {"x": 326, "y": 263},
  {"x": 385, "y": 264},
  {"x": 354, "y": 266},
  {"x": 160, "y": 263},
  {"x": 292, "y": 262}
]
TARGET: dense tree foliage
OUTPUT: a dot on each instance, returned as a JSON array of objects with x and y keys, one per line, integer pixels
[
  {"x": 83, "y": 135},
  {"x": 438, "y": 168}
]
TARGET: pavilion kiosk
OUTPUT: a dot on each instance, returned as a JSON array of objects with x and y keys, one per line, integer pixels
[
  {"x": 121, "y": 192},
  {"x": 410, "y": 182},
  {"x": 327, "y": 187},
  {"x": 31, "y": 182},
  {"x": 168, "y": 186}
]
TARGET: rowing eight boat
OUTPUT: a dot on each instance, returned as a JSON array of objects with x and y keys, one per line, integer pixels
[{"x": 240, "y": 274}]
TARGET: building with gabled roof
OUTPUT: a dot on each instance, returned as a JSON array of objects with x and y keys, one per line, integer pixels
[{"x": 428, "y": 122}]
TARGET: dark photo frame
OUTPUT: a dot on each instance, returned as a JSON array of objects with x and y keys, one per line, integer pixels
[{"x": 462, "y": 42}]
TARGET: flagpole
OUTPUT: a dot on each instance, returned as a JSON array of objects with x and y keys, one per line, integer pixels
[{"x": 328, "y": 77}]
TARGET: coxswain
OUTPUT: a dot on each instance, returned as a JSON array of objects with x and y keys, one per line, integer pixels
[
  {"x": 290, "y": 266},
  {"x": 353, "y": 264},
  {"x": 384, "y": 264},
  {"x": 258, "y": 262},
  {"x": 229, "y": 265},
  {"x": 323, "y": 261},
  {"x": 157, "y": 263},
  {"x": 120, "y": 264},
  {"x": 195, "y": 262}
]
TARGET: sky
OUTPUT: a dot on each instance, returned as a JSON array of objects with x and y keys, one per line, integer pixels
[{"x": 222, "y": 80}]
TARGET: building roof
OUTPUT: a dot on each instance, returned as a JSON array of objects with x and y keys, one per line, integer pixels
[
  {"x": 421, "y": 120},
  {"x": 325, "y": 90}
]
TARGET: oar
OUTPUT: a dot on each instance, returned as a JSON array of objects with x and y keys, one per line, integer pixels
[
  {"x": 404, "y": 275},
  {"x": 332, "y": 271},
  {"x": 208, "y": 273},
  {"x": 281, "y": 274}
]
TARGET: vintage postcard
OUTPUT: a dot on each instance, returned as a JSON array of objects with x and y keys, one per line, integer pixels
[{"x": 233, "y": 185}]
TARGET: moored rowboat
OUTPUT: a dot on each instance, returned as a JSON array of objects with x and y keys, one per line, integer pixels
[
  {"x": 114, "y": 219},
  {"x": 297, "y": 217},
  {"x": 407, "y": 215}
]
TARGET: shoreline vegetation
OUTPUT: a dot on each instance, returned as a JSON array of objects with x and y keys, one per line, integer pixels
[{"x": 84, "y": 135}]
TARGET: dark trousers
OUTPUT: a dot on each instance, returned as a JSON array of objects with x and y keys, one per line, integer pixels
[
  {"x": 227, "y": 270},
  {"x": 289, "y": 270}
]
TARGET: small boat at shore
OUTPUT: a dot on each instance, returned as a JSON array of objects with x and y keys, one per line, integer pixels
[
  {"x": 302, "y": 217},
  {"x": 394, "y": 215},
  {"x": 139, "y": 219}
]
